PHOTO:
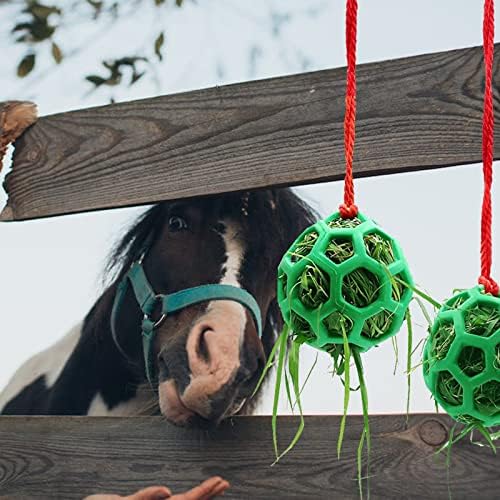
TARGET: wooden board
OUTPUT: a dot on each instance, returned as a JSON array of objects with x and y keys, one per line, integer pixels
[
  {"x": 414, "y": 113},
  {"x": 69, "y": 457}
]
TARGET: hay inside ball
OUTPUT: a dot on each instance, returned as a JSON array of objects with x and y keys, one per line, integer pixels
[
  {"x": 462, "y": 358},
  {"x": 344, "y": 277}
]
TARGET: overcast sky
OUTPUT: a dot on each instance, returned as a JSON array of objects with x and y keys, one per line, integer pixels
[{"x": 51, "y": 269}]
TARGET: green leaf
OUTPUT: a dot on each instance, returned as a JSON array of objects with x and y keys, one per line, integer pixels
[
  {"x": 159, "y": 44},
  {"x": 21, "y": 26},
  {"x": 347, "y": 389},
  {"x": 96, "y": 80},
  {"x": 43, "y": 11},
  {"x": 26, "y": 65},
  {"x": 159, "y": 2},
  {"x": 486, "y": 434},
  {"x": 136, "y": 76},
  {"x": 56, "y": 53},
  {"x": 40, "y": 31},
  {"x": 307, "y": 378},
  {"x": 365, "y": 435},
  {"x": 95, "y": 4},
  {"x": 288, "y": 393},
  {"x": 293, "y": 369},
  {"x": 282, "y": 341},
  {"x": 270, "y": 363},
  {"x": 178, "y": 3},
  {"x": 409, "y": 351}
]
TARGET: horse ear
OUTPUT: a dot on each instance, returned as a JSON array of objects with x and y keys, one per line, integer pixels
[
  {"x": 273, "y": 201},
  {"x": 245, "y": 201}
]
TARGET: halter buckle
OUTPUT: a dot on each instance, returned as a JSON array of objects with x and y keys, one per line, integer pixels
[{"x": 156, "y": 323}]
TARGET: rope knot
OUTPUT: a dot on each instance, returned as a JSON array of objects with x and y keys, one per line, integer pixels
[
  {"x": 348, "y": 211},
  {"x": 490, "y": 285}
]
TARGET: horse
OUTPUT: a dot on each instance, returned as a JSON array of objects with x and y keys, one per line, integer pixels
[{"x": 196, "y": 364}]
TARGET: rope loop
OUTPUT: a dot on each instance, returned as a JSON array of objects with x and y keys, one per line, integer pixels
[
  {"x": 348, "y": 211},
  {"x": 490, "y": 285}
]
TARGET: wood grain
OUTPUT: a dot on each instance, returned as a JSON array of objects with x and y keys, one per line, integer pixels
[
  {"x": 414, "y": 113},
  {"x": 69, "y": 457}
]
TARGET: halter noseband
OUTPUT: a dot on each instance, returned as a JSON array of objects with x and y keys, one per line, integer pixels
[{"x": 147, "y": 300}]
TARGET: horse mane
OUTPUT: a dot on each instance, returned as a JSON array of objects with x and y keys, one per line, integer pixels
[
  {"x": 129, "y": 247},
  {"x": 273, "y": 217},
  {"x": 277, "y": 216}
]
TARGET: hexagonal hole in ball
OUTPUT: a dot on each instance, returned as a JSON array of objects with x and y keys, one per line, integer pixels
[
  {"x": 313, "y": 286},
  {"x": 482, "y": 319},
  {"x": 457, "y": 301},
  {"x": 379, "y": 248},
  {"x": 304, "y": 246},
  {"x": 360, "y": 287},
  {"x": 339, "y": 222},
  {"x": 338, "y": 324},
  {"x": 301, "y": 327},
  {"x": 441, "y": 341},
  {"x": 471, "y": 360},
  {"x": 339, "y": 249},
  {"x": 487, "y": 398},
  {"x": 377, "y": 325},
  {"x": 449, "y": 388}
]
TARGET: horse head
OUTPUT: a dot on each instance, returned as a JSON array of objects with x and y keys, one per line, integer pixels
[{"x": 206, "y": 357}]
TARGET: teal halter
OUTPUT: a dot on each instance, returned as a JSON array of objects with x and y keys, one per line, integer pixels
[{"x": 148, "y": 299}]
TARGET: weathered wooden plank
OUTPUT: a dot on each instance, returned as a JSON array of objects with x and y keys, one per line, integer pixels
[
  {"x": 68, "y": 457},
  {"x": 414, "y": 113}
]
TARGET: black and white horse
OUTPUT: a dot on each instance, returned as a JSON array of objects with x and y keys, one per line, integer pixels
[{"x": 207, "y": 357}]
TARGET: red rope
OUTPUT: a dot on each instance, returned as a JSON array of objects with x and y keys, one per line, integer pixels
[
  {"x": 348, "y": 209},
  {"x": 490, "y": 286}
]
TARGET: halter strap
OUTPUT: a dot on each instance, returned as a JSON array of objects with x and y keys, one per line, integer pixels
[{"x": 147, "y": 299}]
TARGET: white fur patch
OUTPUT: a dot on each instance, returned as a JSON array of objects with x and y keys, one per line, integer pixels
[
  {"x": 223, "y": 330},
  {"x": 49, "y": 362},
  {"x": 141, "y": 404},
  {"x": 235, "y": 252}
]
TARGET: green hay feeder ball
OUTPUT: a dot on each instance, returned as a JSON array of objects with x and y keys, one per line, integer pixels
[
  {"x": 344, "y": 277},
  {"x": 462, "y": 358}
]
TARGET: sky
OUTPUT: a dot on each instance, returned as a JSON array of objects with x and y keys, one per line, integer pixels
[{"x": 51, "y": 270}]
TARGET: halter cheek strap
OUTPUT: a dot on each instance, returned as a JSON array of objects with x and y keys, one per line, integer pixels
[{"x": 147, "y": 300}]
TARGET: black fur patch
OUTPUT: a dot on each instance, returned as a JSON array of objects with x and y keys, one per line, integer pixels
[{"x": 32, "y": 400}]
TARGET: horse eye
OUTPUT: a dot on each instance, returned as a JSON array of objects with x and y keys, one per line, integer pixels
[
  {"x": 176, "y": 223},
  {"x": 220, "y": 228}
]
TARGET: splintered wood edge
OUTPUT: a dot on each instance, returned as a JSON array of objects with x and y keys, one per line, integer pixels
[
  {"x": 15, "y": 118},
  {"x": 7, "y": 214}
]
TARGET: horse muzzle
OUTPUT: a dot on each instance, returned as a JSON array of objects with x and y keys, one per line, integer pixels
[{"x": 224, "y": 357}]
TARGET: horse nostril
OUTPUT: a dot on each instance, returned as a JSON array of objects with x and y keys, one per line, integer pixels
[
  {"x": 250, "y": 373},
  {"x": 202, "y": 348},
  {"x": 163, "y": 366},
  {"x": 258, "y": 371}
]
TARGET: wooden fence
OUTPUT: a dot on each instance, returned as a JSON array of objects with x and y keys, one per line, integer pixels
[
  {"x": 415, "y": 113},
  {"x": 69, "y": 457}
]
